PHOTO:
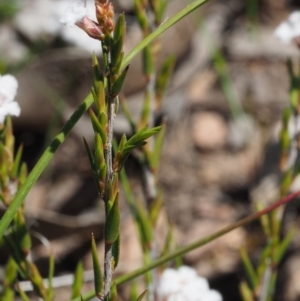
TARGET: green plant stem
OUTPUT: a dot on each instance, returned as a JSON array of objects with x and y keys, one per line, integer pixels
[
  {"x": 42, "y": 164},
  {"x": 199, "y": 243},
  {"x": 58, "y": 140}
]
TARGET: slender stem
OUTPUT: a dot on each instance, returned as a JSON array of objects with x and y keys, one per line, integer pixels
[
  {"x": 199, "y": 243},
  {"x": 108, "y": 270},
  {"x": 42, "y": 163},
  {"x": 58, "y": 140}
]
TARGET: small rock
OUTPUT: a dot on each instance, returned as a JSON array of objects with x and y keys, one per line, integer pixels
[
  {"x": 240, "y": 131},
  {"x": 209, "y": 131}
]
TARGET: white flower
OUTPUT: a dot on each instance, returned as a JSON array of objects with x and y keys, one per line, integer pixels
[
  {"x": 74, "y": 13},
  {"x": 185, "y": 285},
  {"x": 8, "y": 91},
  {"x": 289, "y": 29}
]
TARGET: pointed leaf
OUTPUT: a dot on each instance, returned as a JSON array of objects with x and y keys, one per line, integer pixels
[
  {"x": 97, "y": 126},
  {"x": 284, "y": 244},
  {"x": 92, "y": 163},
  {"x": 101, "y": 104},
  {"x": 156, "y": 154},
  {"x": 147, "y": 109},
  {"x": 96, "y": 70},
  {"x": 116, "y": 251},
  {"x": 10, "y": 271},
  {"x": 23, "y": 295},
  {"x": 99, "y": 152},
  {"x": 78, "y": 280},
  {"x": 133, "y": 295},
  {"x": 50, "y": 290},
  {"x": 148, "y": 64},
  {"x": 117, "y": 85},
  {"x": 249, "y": 268},
  {"x": 118, "y": 39},
  {"x": 112, "y": 224},
  {"x": 246, "y": 292},
  {"x": 113, "y": 296},
  {"x": 97, "y": 270},
  {"x": 141, "y": 296},
  {"x": 17, "y": 162}
]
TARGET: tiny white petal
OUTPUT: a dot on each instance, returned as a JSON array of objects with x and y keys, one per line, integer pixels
[
  {"x": 8, "y": 87},
  {"x": 212, "y": 295},
  {"x": 185, "y": 285},
  {"x": 289, "y": 29},
  {"x": 187, "y": 273},
  {"x": 8, "y": 91},
  {"x": 284, "y": 32}
]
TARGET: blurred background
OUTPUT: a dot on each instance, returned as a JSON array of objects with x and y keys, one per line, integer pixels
[{"x": 223, "y": 111}]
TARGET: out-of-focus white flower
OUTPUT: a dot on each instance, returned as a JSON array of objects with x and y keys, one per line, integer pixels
[
  {"x": 8, "y": 91},
  {"x": 74, "y": 13},
  {"x": 288, "y": 30},
  {"x": 185, "y": 285}
]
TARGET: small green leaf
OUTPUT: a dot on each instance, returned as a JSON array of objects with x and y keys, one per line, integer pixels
[
  {"x": 96, "y": 70},
  {"x": 97, "y": 270},
  {"x": 118, "y": 39},
  {"x": 17, "y": 162},
  {"x": 103, "y": 119},
  {"x": 148, "y": 64},
  {"x": 23, "y": 173},
  {"x": 100, "y": 103},
  {"x": 133, "y": 295},
  {"x": 141, "y": 16},
  {"x": 10, "y": 271},
  {"x": 163, "y": 78},
  {"x": 139, "y": 138},
  {"x": 50, "y": 290},
  {"x": 147, "y": 109},
  {"x": 15, "y": 252},
  {"x": 144, "y": 225},
  {"x": 8, "y": 294},
  {"x": 78, "y": 280},
  {"x": 246, "y": 292},
  {"x": 265, "y": 220},
  {"x": 120, "y": 28},
  {"x": 23, "y": 295},
  {"x": 92, "y": 163},
  {"x": 155, "y": 207},
  {"x": 264, "y": 257},
  {"x": 99, "y": 151},
  {"x": 112, "y": 224},
  {"x": 249, "y": 268},
  {"x": 117, "y": 85},
  {"x": 113, "y": 296},
  {"x": 154, "y": 159},
  {"x": 97, "y": 126},
  {"x": 116, "y": 251},
  {"x": 284, "y": 244},
  {"x": 141, "y": 296},
  {"x": 160, "y": 11}
]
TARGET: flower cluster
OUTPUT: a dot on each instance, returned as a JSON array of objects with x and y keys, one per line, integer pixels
[
  {"x": 8, "y": 91},
  {"x": 185, "y": 285},
  {"x": 289, "y": 30},
  {"x": 77, "y": 14}
]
